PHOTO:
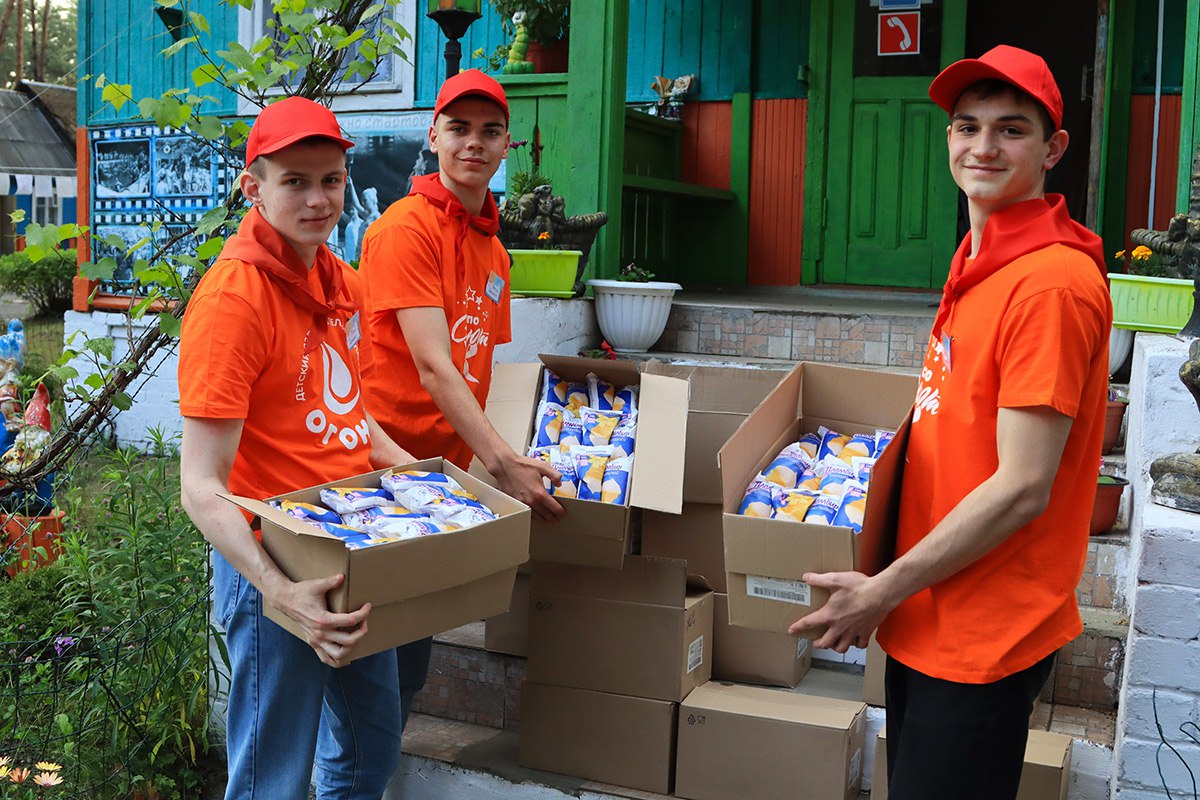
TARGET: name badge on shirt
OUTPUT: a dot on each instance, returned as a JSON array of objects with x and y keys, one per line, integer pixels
[
  {"x": 946, "y": 340},
  {"x": 495, "y": 287},
  {"x": 353, "y": 332}
]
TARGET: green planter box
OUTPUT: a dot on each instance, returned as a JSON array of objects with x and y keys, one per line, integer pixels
[
  {"x": 544, "y": 273},
  {"x": 1158, "y": 305}
]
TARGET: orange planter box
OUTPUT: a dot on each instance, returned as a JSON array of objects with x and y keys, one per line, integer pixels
[{"x": 22, "y": 534}]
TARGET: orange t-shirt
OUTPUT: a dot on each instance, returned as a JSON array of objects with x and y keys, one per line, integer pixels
[
  {"x": 409, "y": 260},
  {"x": 241, "y": 356},
  {"x": 1034, "y": 333}
]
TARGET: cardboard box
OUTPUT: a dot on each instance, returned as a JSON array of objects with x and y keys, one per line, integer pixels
[
  {"x": 750, "y": 743},
  {"x": 766, "y": 558},
  {"x": 597, "y": 534},
  {"x": 720, "y": 398},
  {"x": 509, "y": 632},
  {"x": 873, "y": 690},
  {"x": 1045, "y": 776},
  {"x": 625, "y": 741},
  {"x": 417, "y": 587},
  {"x": 749, "y": 656},
  {"x": 696, "y": 536},
  {"x": 643, "y": 631}
]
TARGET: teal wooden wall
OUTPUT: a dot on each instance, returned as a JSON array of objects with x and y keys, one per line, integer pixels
[{"x": 1145, "y": 46}]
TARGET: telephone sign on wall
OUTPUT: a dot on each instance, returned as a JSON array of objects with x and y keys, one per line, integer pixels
[{"x": 899, "y": 33}]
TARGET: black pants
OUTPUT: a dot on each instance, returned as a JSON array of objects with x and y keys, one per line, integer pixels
[{"x": 958, "y": 740}]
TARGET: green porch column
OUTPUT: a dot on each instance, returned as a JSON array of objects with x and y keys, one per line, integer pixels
[
  {"x": 596, "y": 121},
  {"x": 1189, "y": 116}
]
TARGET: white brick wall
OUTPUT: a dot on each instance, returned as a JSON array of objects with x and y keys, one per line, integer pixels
[
  {"x": 1163, "y": 648},
  {"x": 539, "y": 325}
]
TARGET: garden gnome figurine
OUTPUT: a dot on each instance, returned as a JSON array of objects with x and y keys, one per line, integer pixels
[
  {"x": 34, "y": 435},
  {"x": 12, "y": 347}
]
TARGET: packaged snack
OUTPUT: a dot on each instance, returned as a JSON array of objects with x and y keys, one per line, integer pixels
[
  {"x": 834, "y": 483},
  {"x": 554, "y": 388},
  {"x": 572, "y": 432},
  {"x": 862, "y": 469},
  {"x": 308, "y": 512},
  {"x": 616, "y": 480},
  {"x": 785, "y": 471},
  {"x": 823, "y": 510},
  {"x": 852, "y": 509},
  {"x": 623, "y": 435},
  {"x": 396, "y": 528},
  {"x": 549, "y": 421},
  {"x": 598, "y": 426},
  {"x": 604, "y": 396},
  {"x": 809, "y": 444},
  {"x": 791, "y": 504},
  {"x": 800, "y": 451},
  {"x": 344, "y": 499},
  {"x": 759, "y": 500},
  {"x": 832, "y": 442},
  {"x": 344, "y": 532},
  {"x": 810, "y": 481},
  {"x": 422, "y": 497},
  {"x": 577, "y": 397},
  {"x": 882, "y": 440},
  {"x": 395, "y": 481},
  {"x": 564, "y": 462},
  {"x": 861, "y": 445},
  {"x": 463, "y": 516},
  {"x": 589, "y": 468},
  {"x": 361, "y": 520}
]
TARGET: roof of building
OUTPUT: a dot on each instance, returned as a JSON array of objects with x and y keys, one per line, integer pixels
[
  {"x": 29, "y": 141},
  {"x": 58, "y": 100}
]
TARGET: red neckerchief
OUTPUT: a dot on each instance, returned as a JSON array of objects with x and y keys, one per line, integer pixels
[
  {"x": 1012, "y": 232},
  {"x": 258, "y": 243},
  {"x": 486, "y": 222}
]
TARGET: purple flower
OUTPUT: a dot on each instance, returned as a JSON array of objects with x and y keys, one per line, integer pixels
[
  {"x": 62, "y": 644},
  {"x": 520, "y": 143}
]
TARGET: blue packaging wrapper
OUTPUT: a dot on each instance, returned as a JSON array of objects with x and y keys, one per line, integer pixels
[
  {"x": 823, "y": 510},
  {"x": 616, "y": 481},
  {"x": 307, "y": 511},
  {"x": 572, "y": 432},
  {"x": 759, "y": 500},
  {"x": 791, "y": 504},
  {"x": 852, "y": 508},
  {"x": 554, "y": 388},
  {"x": 345, "y": 499},
  {"x": 598, "y": 426}
]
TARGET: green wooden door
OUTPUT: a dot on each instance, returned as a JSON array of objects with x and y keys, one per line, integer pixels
[{"x": 891, "y": 214}]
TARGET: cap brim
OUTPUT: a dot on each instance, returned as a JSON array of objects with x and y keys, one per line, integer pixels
[
  {"x": 949, "y": 84},
  {"x": 473, "y": 92},
  {"x": 288, "y": 141}
]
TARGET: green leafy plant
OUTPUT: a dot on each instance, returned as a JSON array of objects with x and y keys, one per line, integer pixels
[
  {"x": 633, "y": 273},
  {"x": 45, "y": 283},
  {"x": 1143, "y": 261}
]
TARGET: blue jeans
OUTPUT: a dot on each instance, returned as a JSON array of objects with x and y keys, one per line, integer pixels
[{"x": 281, "y": 697}]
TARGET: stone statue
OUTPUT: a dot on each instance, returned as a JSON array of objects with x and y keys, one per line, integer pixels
[{"x": 539, "y": 217}]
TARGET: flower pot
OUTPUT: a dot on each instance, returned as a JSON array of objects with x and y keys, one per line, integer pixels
[
  {"x": 1120, "y": 345},
  {"x": 544, "y": 273},
  {"x": 1158, "y": 305},
  {"x": 1114, "y": 414},
  {"x": 22, "y": 534},
  {"x": 549, "y": 57},
  {"x": 1108, "y": 502},
  {"x": 632, "y": 315}
]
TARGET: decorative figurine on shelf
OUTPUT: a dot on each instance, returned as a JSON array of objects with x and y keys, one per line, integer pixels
[
  {"x": 10, "y": 402},
  {"x": 670, "y": 95},
  {"x": 538, "y": 216},
  {"x": 34, "y": 435},
  {"x": 517, "y": 63},
  {"x": 12, "y": 347}
]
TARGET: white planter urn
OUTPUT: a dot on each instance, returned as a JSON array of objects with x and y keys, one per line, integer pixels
[
  {"x": 1120, "y": 342},
  {"x": 632, "y": 315}
]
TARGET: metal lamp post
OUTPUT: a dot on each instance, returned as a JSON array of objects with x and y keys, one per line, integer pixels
[{"x": 454, "y": 17}]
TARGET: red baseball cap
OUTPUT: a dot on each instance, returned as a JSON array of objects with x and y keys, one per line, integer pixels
[
  {"x": 282, "y": 124},
  {"x": 1024, "y": 70},
  {"x": 467, "y": 84}
]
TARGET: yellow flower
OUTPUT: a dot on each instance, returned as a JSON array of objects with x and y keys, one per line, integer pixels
[
  {"x": 1119, "y": 254},
  {"x": 47, "y": 779},
  {"x": 1141, "y": 252},
  {"x": 18, "y": 775},
  {"x": 4, "y": 770},
  {"x": 543, "y": 236},
  {"x": 48, "y": 766}
]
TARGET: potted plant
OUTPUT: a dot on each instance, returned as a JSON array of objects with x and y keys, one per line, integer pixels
[
  {"x": 1114, "y": 415},
  {"x": 538, "y": 31},
  {"x": 632, "y": 310},
  {"x": 1149, "y": 294},
  {"x": 1108, "y": 502},
  {"x": 549, "y": 249}
]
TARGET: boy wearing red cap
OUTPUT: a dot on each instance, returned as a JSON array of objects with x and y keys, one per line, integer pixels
[
  {"x": 1000, "y": 472},
  {"x": 271, "y": 361}
]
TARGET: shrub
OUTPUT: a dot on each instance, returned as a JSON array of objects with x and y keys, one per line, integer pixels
[{"x": 46, "y": 284}]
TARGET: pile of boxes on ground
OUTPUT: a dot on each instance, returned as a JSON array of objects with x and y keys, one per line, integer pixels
[{"x": 642, "y": 639}]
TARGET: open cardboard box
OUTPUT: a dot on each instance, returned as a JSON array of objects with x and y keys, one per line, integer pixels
[
  {"x": 592, "y": 533},
  {"x": 766, "y": 558},
  {"x": 643, "y": 631},
  {"x": 416, "y": 587}
]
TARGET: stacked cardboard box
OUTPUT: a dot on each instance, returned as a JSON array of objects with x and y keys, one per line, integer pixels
[{"x": 611, "y": 654}]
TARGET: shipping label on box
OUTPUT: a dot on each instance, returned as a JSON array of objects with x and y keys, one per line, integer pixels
[
  {"x": 766, "y": 559},
  {"x": 644, "y": 631},
  {"x": 754, "y": 743},
  {"x": 416, "y": 587},
  {"x": 625, "y": 741},
  {"x": 594, "y": 533}
]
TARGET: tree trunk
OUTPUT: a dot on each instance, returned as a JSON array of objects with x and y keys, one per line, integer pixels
[
  {"x": 43, "y": 52},
  {"x": 9, "y": 6},
  {"x": 20, "y": 63}
]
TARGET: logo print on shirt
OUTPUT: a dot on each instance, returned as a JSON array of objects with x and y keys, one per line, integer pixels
[
  {"x": 338, "y": 382},
  {"x": 929, "y": 395},
  {"x": 468, "y": 331}
]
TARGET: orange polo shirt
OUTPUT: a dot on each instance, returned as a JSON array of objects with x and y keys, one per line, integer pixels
[
  {"x": 1034, "y": 333},
  {"x": 410, "y": 260}
]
